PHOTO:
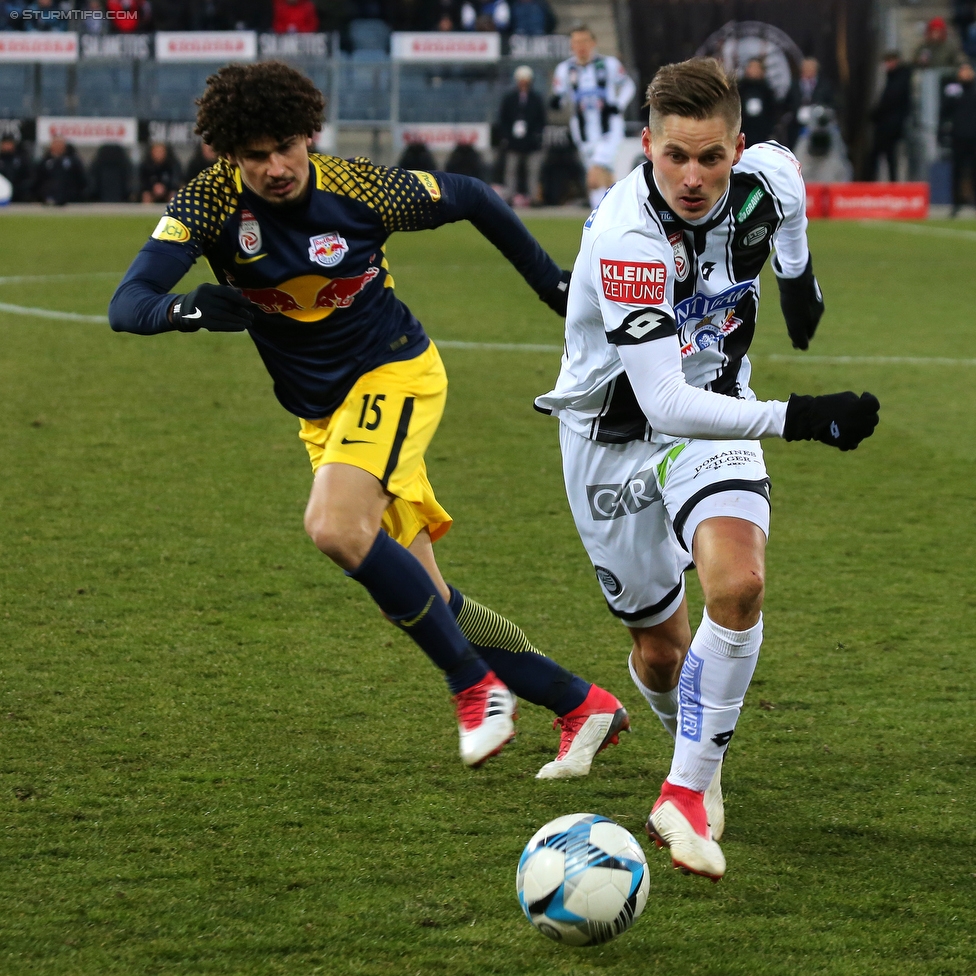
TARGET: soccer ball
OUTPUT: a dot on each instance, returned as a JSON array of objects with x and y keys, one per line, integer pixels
[{"x": 582, "y": 879}]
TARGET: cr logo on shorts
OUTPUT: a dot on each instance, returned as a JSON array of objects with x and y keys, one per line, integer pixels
[
  {"x": 608, "y": 581},
  {"x": 615, "y": 501}
]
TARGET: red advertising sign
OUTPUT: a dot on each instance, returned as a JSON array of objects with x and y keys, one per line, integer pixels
[
  {"x": 817, "y": 194},
  {"x": 878, "y": 201},
  {"x": 634, "y": 282},
  {"x": 48, "y": 46}
]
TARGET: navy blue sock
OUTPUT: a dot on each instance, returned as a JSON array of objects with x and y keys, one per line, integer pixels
[
  {"x": 404, "y": 591},
  {"x": 507, "y": 651}
]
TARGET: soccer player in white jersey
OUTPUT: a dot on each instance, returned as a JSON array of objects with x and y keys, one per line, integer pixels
[
  {"x": 598, "y": 89},
  {"x": 660, "y": 431}
]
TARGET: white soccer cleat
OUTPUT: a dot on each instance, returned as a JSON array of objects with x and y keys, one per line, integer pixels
[
  {"x": 678, "y": 822},
  {"x": 486, "y": 719},
  {"x": 586, "y": 730},
  {"x": 715, "y": 805}
]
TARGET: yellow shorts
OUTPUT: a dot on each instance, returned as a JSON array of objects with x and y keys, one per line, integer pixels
[{"x": 384, "y": 427}]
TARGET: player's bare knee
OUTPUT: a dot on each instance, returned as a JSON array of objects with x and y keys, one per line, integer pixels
[
  {"x": 661, "y": 657},
  {"x": 737, "y": 602},
  {"x": 341, "y": 543}
]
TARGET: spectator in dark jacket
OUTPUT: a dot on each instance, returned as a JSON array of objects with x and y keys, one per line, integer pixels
[
  {"x": 203, "y": 158},
  {"x": 10, "y": 11},
  {"x": 43, "y": 17},
  {"x": 521, "y": 120},
  {"x": 959, "y": 117},
  {"x": 810, "y": 89},
  {"x": 531, "y": 18},
  {"x": 294, "y": 17},
  {"x": 890, "y": 114},
  {"x": 110, "y": 174},
  {"x": 760, "y": 107},
  {"x": 60, "y": 176},
  {"x": 15, "y": 164},
  {"x": 160, "y": 175}
]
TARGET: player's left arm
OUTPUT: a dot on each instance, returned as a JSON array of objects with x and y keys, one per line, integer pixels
[
  {"x": 800, "y": 297},
  {"x": 422, "y": 201}
]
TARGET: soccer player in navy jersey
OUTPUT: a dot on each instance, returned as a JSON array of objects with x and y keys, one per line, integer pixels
[{"x": 296, "y": 241}]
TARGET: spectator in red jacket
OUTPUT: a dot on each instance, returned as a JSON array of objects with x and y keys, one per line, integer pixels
[
  {"x": 295, "y": 17},
  {"x": 128, "y": 16}
]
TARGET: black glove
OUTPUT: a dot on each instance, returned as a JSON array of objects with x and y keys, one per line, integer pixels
[
  {"x": 556, "y": 296},
  {"x": 839, "y": 419},
  {"x": 802, "y": 304},
  {"x": 218, "y": 308}
]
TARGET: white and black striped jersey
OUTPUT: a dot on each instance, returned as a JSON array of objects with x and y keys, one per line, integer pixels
[
  {"x": 597, "y": 90},
  {"x": 643, "y": 273}
]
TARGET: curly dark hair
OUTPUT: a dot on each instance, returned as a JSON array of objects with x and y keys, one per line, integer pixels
[{"x": 243, "y": 103}]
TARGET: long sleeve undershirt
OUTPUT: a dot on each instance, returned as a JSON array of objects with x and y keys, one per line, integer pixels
[{"x": 674, "y": 407}]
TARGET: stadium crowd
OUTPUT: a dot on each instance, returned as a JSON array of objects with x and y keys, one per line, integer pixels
[{"x": 525, "y": 17}]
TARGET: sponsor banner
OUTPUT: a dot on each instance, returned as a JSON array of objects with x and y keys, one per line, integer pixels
[
  {"x": 444, "y": 135},
  {"x": 135, "y": 47},
  {"x": 206, "y": 46},
  {"x": 817, "y": 200},
  {"x": 878, "y": 201},
  {"x": 445, "y": 46},
  {"x": 87, "y": 131},
  {"x": 175, "y": 133},
  {"x": 293, "y": 45},
  {"x": 59, "y": 47},
  {"x": 548, "y": 46},
  {"x": 634, "y": 282}
]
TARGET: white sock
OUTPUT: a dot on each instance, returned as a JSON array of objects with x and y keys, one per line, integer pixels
[
  {"x": 596, "y": 196},
  {"x": 664, "y": 703},
  {"x": 713, "y": 683}
]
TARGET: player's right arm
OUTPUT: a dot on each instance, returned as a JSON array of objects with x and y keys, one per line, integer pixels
[
  {"x": 635, "y": 288},
  {"x": 144, "y": 302}
]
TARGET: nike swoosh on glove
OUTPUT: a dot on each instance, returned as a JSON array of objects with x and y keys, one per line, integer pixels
[
  {"x": 557, "y": 296},
  {"x": 841, "y": 420},
  {"x": 218, "y": 308}
]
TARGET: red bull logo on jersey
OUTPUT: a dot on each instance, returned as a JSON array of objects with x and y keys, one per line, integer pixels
[
  {"x": 634, "y": 282},
  {"x": 327, "y": 249},
  {"x": 310, "y": 298}
]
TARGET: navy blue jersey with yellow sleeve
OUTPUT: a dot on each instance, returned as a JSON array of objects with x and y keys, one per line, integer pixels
[{"x": 316, "y": 270}]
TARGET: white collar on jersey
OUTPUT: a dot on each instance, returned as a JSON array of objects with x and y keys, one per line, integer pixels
[{"x": 700, "y": 220}]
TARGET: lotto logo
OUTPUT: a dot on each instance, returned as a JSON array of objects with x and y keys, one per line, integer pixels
[{"x": 634, "y": 282}]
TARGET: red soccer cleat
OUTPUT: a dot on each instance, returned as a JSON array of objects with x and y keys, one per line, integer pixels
[
  {"x": 486, "y": 719},
  {"x": 679, "y": 822},
  {"x": 586, "y": 730}
]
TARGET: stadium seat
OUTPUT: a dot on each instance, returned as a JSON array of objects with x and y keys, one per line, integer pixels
[
  {"x": 105, "y": 88},
  {"x": 369, "y": 34},
  {"x": 16, "y": 90},
  {"x": 54, "y": 90},
  {"x": 168, "y": 91}
]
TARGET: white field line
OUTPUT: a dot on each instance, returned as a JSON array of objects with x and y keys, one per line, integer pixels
[
  {"x": 49, "y": 313},
  {"x": 955, "y": 232},
  {"x": 20, "y": 279}
]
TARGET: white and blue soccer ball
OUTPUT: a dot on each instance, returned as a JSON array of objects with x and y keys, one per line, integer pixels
[{"x": 582, "y": 879}]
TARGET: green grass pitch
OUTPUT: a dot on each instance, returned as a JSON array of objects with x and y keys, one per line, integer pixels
[{"x": 216, "y": 757}]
